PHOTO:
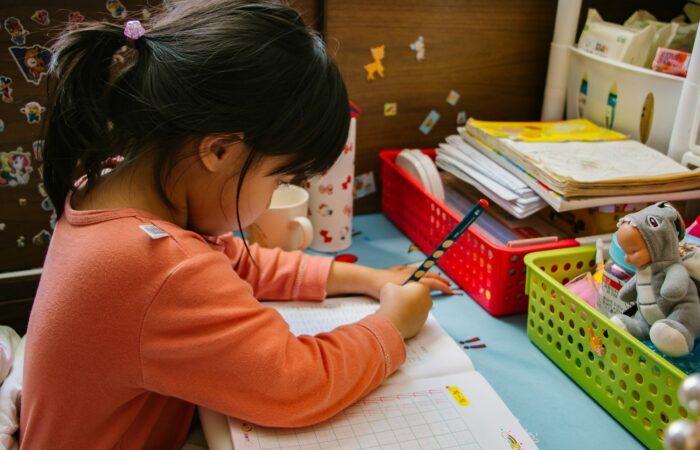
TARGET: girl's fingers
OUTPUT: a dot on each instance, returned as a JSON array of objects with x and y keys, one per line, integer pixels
[{"x": 436, "y": 284}]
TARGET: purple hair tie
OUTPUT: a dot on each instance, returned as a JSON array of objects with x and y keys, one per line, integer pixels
[{"x": 134, "y": 30}]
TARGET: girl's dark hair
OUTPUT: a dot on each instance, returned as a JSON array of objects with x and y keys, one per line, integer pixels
[{"x": 203, "y": 67}]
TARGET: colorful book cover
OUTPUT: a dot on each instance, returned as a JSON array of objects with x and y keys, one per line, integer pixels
[{"x": 559, "y": 131}]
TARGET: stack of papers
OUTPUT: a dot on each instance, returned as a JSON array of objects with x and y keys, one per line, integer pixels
[
  {"x": 505, "y": 189},
  {"x": 575, "y": 164}
]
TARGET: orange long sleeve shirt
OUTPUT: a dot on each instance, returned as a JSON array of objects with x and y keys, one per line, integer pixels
[{"x": 128, "y": 333}]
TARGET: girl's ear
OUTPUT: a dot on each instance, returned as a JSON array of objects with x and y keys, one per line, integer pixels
[{"x": 216, "y": 152}]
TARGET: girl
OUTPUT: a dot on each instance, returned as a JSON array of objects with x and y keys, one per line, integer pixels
[{"x": 140, "y": 313}]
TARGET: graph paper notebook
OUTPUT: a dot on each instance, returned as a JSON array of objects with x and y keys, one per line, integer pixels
[{"x": 435, "y": 401}]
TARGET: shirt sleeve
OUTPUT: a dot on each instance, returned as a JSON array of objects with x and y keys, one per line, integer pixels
[
  {"x": 207, "y": 340},
  {"x": 278, "y": 275}
]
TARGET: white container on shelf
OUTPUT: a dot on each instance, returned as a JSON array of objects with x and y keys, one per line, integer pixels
[{"x": 631, "y": 99}]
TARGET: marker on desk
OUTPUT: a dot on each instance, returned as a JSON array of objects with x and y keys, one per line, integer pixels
[{"x": 453, "y": 235}]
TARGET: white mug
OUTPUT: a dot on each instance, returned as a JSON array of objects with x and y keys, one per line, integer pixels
[{"x": 285, "y": 223}]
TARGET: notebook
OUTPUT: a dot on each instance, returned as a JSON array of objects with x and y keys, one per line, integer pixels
[
  {"x": 561, "y": 203},
  {"x": 436, "y": 400},
  {"x": 469, "y": 165},
  {"x": 576, "y": 158}
]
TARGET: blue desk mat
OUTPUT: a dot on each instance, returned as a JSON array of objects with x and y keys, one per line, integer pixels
[{"x": 549, "y": 405}]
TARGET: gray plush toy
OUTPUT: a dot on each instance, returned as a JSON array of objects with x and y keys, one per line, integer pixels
[{"x": 667, "y": 298}]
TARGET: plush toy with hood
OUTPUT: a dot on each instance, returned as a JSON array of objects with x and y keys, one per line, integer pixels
[{"x": 668, "y": 309}]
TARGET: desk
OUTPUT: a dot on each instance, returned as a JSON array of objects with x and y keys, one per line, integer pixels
[{"x": 551, "y": 406}]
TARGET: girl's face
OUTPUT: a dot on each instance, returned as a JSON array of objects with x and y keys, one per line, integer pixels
[{"x": 211, "y": 196}]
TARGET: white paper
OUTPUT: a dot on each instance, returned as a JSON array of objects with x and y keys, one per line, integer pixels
[
  {"x": 416, "y": 414},
  {"x": 432, "y": 353}
]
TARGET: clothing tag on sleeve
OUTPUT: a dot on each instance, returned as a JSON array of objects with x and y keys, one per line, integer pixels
[{"x": 153, "y": 231}]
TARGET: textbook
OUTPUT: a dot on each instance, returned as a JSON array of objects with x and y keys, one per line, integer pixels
[{"x": 435, "y": 400}]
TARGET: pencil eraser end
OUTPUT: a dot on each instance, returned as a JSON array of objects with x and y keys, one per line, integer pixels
[{"x": 483, "y": 202}]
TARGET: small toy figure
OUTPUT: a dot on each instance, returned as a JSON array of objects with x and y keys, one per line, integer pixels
[{"x": 667, "y": 298}]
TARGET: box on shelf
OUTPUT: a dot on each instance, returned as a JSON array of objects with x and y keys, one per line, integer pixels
[{"x": 630, "y": 99}]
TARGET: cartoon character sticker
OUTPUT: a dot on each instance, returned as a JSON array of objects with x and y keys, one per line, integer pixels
[
  {"x": 41, "y": 17},
  {"x": 419, "y": 47},
  {"x": 41, "y": 238},
  {"x": 74, "y": 17},
  {"x": 116, "y": 9},
  {"x": 376, "y": 66},
  {"x": 33, "y": 112},
  {"x": 38, "y": 150},
  {"x": 15, "y": 167},
  {"x": 6, "y": 89},
  {"x": 18, "y": 35},
  {"x": 32, "y": 62}
]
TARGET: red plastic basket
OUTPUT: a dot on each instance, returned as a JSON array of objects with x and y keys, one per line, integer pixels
[{"x": 492, "y": 274}]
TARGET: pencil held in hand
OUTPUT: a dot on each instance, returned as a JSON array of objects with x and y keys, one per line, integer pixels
[{"x": 452, "y": 236}]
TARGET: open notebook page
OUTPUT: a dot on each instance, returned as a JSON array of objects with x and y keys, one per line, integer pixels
[
  {"x": 459, "y": 411},
  {"x": 431, "y": 353}
]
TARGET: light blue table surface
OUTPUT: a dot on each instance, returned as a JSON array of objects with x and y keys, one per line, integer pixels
[{"x": 549, "y": 405}]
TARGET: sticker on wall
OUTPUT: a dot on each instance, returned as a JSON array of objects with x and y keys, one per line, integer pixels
[
  {"x": 364, "y": 185},
  {"x": 376, "y": 66},
  {"x": 15, "y": 167},
  {"x": 22, "y": 202},
  {"x": 390, "y": 109},
  {"x": 453, "y": 97},
  {"x": 6, "y": 89},
  {"x": 2, "y": 226},
  {"x": 419, "y": 47},
  {"x": 42, "y": 238},
  {"x": 38, "y": 150},
  {"x": 20, "y": 242},
  {"x": 42, "y": 190},
  {"x": 47, "y": 205},
  {"x": 18, "y": 35},
  {"x": 41, "y": 17},
  {"x": 33, "y": 111},
  {"x": 116, "y": 9},
  {"x": 461, "y": 118},
  {"x": 2, "y": 126},
  {"x": 429, "y": 122},
  {"x": 74, "y": 18},
  {"x": 33, "y": 61}
]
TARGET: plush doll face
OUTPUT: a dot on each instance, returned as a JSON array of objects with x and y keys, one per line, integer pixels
[{"x": 632, "y": 243}]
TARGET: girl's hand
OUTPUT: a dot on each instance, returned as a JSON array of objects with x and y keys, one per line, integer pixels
[
  {"x": 355, "y": 279},
  {"x": 399, "y": 274}
]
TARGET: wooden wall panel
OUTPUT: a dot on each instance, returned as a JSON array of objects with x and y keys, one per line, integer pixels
[{"x": 494, "y": 53}]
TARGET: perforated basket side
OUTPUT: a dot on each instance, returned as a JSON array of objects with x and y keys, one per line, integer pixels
[{"x": 634, "y": 384}]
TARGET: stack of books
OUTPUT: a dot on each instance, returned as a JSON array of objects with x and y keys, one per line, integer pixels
[
  {"x": 505, "y": 189},
  {"x": 576, "y": 164}
]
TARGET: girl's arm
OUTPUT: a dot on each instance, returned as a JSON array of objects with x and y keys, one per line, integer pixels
[
  {"x": 207, "y": 340},
  {"x": 275, "y": 274}
]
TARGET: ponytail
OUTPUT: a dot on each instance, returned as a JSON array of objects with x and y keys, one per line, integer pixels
[{"x": 77, "y": 131}]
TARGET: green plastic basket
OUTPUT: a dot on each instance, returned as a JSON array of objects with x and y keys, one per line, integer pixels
[{"x": 635, "y": 385}]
